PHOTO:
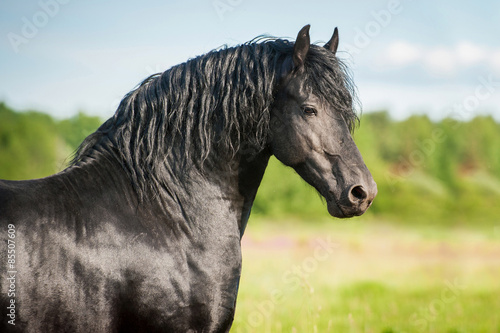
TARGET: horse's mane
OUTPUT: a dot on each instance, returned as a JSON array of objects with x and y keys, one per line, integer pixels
[{"x": 208, "y": 107}]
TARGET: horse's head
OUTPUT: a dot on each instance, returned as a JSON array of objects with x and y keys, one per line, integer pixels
[{"x": 311, "y": 124}]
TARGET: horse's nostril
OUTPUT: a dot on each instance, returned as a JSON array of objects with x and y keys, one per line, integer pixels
[{"x": 358, "y": 193}]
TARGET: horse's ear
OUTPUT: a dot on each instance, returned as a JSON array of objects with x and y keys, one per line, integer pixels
[
  {"x": 301, "y": 47},
  {"x": 333, "y": 44}
]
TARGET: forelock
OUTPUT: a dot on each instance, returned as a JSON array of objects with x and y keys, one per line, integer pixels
[{"x": 331, "y": 81}]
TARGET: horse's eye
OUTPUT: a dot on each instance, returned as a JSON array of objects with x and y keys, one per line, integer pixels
[{"x": 309, "y": 110}]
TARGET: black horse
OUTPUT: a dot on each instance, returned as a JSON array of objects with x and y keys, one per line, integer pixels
[{"x": 141, "y": 233}]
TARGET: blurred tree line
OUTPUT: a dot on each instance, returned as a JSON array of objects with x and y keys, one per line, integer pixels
[
  {"x": 445, "y": 172},
  {"x": 35, "y": 145}
]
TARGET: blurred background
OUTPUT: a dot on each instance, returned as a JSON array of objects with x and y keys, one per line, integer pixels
[{"x": 424, "y": 258}]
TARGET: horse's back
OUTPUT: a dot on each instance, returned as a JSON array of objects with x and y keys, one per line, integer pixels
[
  {"x": 22, "y": 200},
  {"x": 10, "y": 191}
]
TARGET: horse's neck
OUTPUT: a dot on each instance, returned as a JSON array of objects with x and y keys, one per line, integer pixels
[
  {"x": 197, "y": 206},
  {"x": 217, "y": 199},
  {"x": 251, "y": 171}
]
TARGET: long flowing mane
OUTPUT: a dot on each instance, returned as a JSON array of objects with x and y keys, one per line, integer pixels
[{"x": 208, "y": 107}]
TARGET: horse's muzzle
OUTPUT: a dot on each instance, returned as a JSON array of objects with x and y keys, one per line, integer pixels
[{"x": 354, "y": 200}]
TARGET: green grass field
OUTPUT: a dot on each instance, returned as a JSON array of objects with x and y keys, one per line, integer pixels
[{"x": 368, "y": 276}]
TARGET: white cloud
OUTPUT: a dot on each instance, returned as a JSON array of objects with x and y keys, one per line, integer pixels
[
  {"x": 440, "y": 60},
  {"x": 402, "y": 53},
  {"x": 470, "y": 54},
  {"x": 494, "y": 61}
]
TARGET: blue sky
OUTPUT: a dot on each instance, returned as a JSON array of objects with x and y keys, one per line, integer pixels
[{"x": 407, "y": 56}]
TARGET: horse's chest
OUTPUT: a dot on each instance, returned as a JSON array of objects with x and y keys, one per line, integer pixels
[{"x": 190, "y": 290}]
